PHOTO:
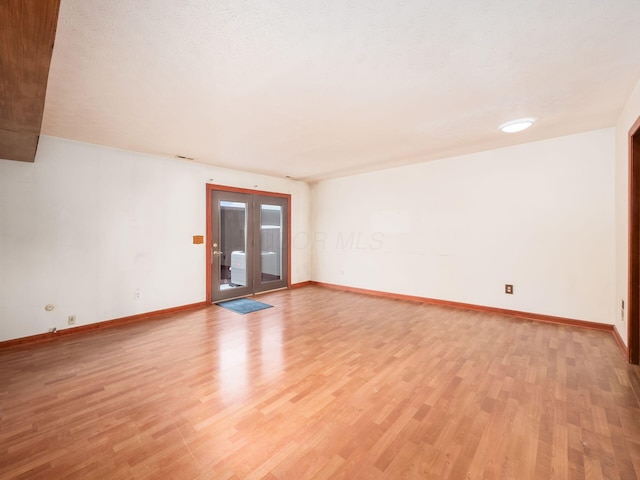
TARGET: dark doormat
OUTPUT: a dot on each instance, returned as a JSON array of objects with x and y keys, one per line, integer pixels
[{"x": 244, "y": 305}]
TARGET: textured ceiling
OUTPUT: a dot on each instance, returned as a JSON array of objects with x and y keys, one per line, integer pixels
[{"x": 317, "y": 89}]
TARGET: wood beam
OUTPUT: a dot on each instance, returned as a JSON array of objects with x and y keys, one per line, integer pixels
[{"x": 26, "y": 45}]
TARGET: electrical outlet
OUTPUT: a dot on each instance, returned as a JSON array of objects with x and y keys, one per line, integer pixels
[
  {"x": 508, "y": 289},
  {"x": 71, "y": 320},
  {"x": 137, "y": 294}
]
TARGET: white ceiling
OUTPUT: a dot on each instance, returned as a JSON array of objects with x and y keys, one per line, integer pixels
[{"x": 317, "y": 89}]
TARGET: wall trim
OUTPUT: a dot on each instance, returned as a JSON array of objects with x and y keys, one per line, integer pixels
[
  {"x": 469, "y": 306},
  {"x": 47, "y": 337},
  {"x": 623, "y": 348}
]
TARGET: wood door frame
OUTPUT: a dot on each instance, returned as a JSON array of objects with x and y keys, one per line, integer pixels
[
  {"x": 224, "y": 188},
  {"x": 633, "y": 318}
]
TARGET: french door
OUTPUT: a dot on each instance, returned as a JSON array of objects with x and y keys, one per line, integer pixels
[{"x": 248, "y": 243}]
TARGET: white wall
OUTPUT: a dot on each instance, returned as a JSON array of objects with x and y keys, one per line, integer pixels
[
  {"x": 627, "y": 118},
  {"x": 537, "y": 215},
  {"x": 85, "y": 226}
]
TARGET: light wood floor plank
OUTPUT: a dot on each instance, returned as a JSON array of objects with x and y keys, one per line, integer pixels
[{"x": 325, "y": 385}]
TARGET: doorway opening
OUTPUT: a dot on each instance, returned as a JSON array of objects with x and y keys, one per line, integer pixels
[
  {"x": 633, "y": 338},
  {"x": 248, "y": 238}
]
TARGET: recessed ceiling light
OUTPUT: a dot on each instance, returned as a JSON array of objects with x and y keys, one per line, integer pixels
[{"x": 517, "y": 125}]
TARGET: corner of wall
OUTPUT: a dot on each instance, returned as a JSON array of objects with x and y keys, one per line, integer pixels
[{"x": 628, "y": 116}]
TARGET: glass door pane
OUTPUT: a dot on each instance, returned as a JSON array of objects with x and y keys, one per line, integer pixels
[
  {"x": 271, "y": 242},
  {"x": 233, "y": 245}
]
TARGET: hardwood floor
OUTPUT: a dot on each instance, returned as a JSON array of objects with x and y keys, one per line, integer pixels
[{"x": 328, "y": 385}]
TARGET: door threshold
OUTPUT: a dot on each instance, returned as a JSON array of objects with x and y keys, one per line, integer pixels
[
  {"x": 249, "y": 295},
  {"x": 270, "y": 291},
  {"x": 215, "y": 302}
]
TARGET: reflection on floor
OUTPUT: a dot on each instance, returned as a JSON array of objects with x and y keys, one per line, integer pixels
[{"x": 326, "y": 385}]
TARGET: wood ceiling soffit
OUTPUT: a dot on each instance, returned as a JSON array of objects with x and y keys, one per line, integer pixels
[{"x": 26, "y": 45}]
